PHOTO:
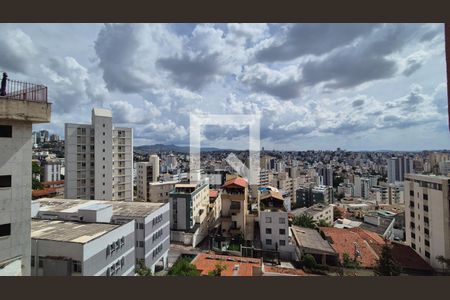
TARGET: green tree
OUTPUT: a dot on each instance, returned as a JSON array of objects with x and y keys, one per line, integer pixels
[
  {"x": 183, "y": 268},
  {"x": 444, "y": 261},
  {"x": 35, "y": 168},
  {"x": 218, "y": 269},
  {"x": 304, "y": 220},
  {"x": 36, "y": 185},
  {"x": 142, "y": 269},
  {"x": 386, "y": 266},
  {"x": 309, "y": 261},
  {"x": 323, "y": 223},
  {"x": 348, "y": 262},
  {"x": 337, "y": 213}
]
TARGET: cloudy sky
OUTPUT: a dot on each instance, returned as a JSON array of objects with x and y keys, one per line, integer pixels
[{"x": 316, "y": 86}]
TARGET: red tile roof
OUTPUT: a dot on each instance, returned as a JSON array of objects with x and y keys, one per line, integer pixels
[
  {"x": 44, "y": 192},
  {"x": 206, "y": 262},
  {"x": 237, "y": 181},
  {"x": 213, "y": 193},
  {"x": 343, "y": 241},
  {"x": 408, "y": 258},
  {"x": 281, "y": 270}
]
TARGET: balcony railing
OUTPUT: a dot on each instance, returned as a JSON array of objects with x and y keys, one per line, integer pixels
[{"x": 19, "y": 90}]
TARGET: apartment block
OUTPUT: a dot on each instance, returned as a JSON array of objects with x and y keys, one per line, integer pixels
[
  {"x": 20, "y": 108},
  {"x": 51, "y": 170},
  {"x": 147, "y": 172},
  {"x": 68, "y": 248},
  {"x": 234, "y": 207},
  {"x": 398, "y": 167},
  {"x": 188, "y": 202},
  {"x": 151, "y": 220},
  {"x": 159, "y": 192},
  {"x": 99, "y": 159},
  {"x": 427, "y": 216},
  {"x": 274, "y": 223},
  {"x": 309, "y": 195}
]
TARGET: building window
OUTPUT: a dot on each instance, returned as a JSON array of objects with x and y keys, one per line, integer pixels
[
  {"x": 5, "y": 229},
  {"x": 268, "y": 220},
  {"x": 413, "y": 246},
  {"x": 411, "y": 193},
  {"x": 76, "y": 266},
  {"x": 268, "y": 230},
  {"x": 41, "y": 263},
  {"x": 282, "y": 221},
  {"x": 427, "y": 243},
  {"x": 32, "y": 261},
  {"x": 5, "y": 131},
  {"x": 5, "y": 181},
  {"x": 282, "y": 231},
  {"x": 425, "y": 207},
  {"x": 268, "y": 242},
  {"x": 282, "y": 243},
  {"x": 427, "y": 254},
  {"x": 425, "y": 196}
]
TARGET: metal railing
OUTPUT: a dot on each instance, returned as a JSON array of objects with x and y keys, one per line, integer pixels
[{"x": 25, "y": 91}]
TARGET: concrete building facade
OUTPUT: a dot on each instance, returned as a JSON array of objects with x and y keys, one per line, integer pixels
[
  {"x": 147, "y": 172},
  {"x": 98, "y": 159},
  {"x": 67, "y": 248},
  {"x": 152, "y": 222},
  {"x": 18, "y": 112},
  {"x": 427, "y": 216}
]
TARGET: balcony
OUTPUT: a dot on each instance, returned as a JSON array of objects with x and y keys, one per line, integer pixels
[
  {"x": 24, "y": 101},
  {"x": 24, "y": 91}
]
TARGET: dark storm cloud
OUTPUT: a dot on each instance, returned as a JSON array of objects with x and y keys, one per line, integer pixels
[
  {"x": 115, "y": 47},
  {"x": 358, "y": 102},
  {"x": 316, "y": 39},
  {"x": 16, "y": 51},
  {"x": 363, "y": 62},
  {"x": 191, "y": 72}
]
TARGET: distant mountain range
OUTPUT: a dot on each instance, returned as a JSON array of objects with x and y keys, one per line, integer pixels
[{"x": 145, "y": 149}]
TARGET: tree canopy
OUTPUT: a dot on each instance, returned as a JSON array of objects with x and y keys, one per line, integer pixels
[{"x": 386, "y": 265}]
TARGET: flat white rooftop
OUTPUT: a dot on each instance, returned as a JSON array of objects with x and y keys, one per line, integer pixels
[
  {"x": 123, "y": 209},
  {"x": 67, "y": 231}
]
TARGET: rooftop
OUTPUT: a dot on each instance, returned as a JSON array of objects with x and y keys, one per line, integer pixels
[
  {"x": 102, "y": 112},
  {"x": 317, "y": 208},
  {"x": 235, "y": 266},
  {"x": 348, "y": 241},
  {"x": 237, "y": 181},
  {"x": 65, "y": 231},
  {"x": 408, "y": 258},
  {"x": 124, "y": 209},
  {"x": 311, "y": 239}
]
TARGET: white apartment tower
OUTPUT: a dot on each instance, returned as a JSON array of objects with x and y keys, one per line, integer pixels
[
  {"x": 147, "y": 172},
  {"x": 398, "y": 167},
  {"x": 427, "y": 219},
  {"x": 21, "y": 106},
  {"x": 99, "y": 159}
]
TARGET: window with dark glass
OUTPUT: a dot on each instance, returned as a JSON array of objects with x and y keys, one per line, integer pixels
[
  {"x": 5, "y": 230},
  {"x": 5, "y": 131}
]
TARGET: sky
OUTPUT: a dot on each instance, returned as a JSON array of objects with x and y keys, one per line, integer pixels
[{"x": 314, "y": 86}]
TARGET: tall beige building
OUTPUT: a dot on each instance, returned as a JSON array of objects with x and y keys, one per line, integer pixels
[
  {"x": 99, "y": 159},
  {"x": 21, "y": 106},
  {"x": 147, "y": 172},
  {"x": 427, "y": 216}
]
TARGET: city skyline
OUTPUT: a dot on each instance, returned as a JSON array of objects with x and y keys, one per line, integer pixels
[{"x": 347, "y": 85}]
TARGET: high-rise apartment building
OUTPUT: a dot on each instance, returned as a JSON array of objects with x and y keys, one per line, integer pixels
[
  {"x": 99, "y": 159},
  {"x": 398, "y": 167},
  {"x": 19, "y": 109},
  {"x": 147, "y": 172},
  {"x": 427, "y": 219},
  {"x": 326, "y": 175}
]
